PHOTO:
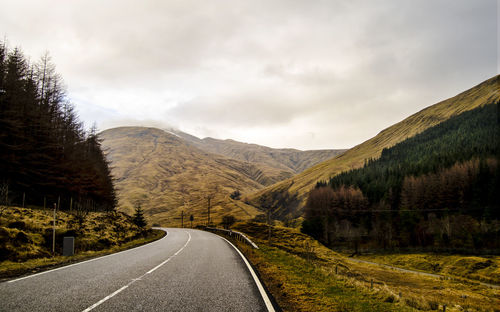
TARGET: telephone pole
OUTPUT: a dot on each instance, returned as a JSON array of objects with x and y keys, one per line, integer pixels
[{"x": 208, "y": 214}]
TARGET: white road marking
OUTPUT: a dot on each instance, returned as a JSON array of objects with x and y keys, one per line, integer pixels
[
  {"x": 108, "y": 297},
  {"x": 175, "y": 254},
  {"x": 136, "y": 279},
  {"x": 86, "y": 261},
  {"x": 262, "y": 291}
]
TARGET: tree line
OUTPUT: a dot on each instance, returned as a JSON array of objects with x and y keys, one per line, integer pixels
[
  {"x": 434, "y": 190},
  {"x": 46, "y": 154}
]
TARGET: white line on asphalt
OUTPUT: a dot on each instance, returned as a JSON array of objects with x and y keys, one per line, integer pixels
[
  {"x": 107, "y": 297},
  {"x": 262, "y": 291},
  {"x": 86, "y": 261},
  {"x": 136, "y": 279},
  {"x": 159, "y": 265}
]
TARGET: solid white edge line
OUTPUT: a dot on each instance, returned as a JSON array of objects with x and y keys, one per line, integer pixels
[
  {"x": 95, "y": 305},
  {"x": 86, "y": 261},
  {"x": 262, "y": 291}
]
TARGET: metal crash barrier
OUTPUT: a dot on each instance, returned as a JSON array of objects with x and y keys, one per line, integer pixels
[{"x": 234, "y": 234}]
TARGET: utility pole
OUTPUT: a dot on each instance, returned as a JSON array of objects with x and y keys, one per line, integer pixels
[
  {"x": 269, "y": 225},
  {"x": 208, "y": 214},
  {"x": 54, "y": 232},
  {"x": 181, "y": 218}
]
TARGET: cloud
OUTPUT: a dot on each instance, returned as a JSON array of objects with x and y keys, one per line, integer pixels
[{"x": 306, "y": 74}]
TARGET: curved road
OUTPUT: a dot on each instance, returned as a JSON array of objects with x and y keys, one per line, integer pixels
[{"x": 187, "y": 270}]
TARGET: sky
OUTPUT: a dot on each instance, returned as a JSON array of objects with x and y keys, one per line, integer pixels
[{"x": 298, "y": 74}]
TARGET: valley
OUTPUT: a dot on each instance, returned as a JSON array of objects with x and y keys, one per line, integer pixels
[{"x": 169, "y": 173}]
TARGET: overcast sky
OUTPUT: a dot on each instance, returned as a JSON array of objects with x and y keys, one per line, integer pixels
[{"x": 301, "y": 74}]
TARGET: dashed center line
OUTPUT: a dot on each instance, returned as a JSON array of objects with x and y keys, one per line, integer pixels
[{"x": 137, "y": 279}]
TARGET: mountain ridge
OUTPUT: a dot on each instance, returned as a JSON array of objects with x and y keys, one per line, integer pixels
[
  {"x": 167, "y": 174},
  {"x": 288, "y": 159}
]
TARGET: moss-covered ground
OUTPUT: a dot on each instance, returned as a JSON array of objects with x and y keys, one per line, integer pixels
[{"x": 26, "y": 237}]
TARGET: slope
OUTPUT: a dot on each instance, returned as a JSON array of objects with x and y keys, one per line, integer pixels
[
  {"x": 287, "y": 198},
  {"x": 288, "y": 160},
  {"x": 166, "y": 176}
]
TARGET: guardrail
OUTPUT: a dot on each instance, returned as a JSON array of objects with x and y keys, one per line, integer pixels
[{"x": 234, "y": 234}]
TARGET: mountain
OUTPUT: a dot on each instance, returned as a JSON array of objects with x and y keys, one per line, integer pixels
[
  {"x": 167, "y": 173},
  {"x": 289, "y": 160},
  {"x": 447, "y": 175},
  {"x": 287, "y": 198}
]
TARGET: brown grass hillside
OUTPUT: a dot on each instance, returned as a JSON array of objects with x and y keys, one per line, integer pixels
[
  {"x": 167, "y": 176},
  {"x": 288, "y": 160},
  {"x": 298, "y": 186},
  {"x": 26, "y": 237}
]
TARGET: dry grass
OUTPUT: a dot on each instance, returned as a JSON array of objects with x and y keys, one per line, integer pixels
[
  {"x": 480, "y": 268},
  {"x": 26, "y": 238},
  {"x": 169, "y": 176},
  {"x": 306, "y": 276}
]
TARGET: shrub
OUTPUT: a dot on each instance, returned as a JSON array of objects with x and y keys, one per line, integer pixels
[{"x": 17, "y": 225}]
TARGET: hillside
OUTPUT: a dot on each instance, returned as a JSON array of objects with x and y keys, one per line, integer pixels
[
  {"x": 166, "y": 175},
  {"x": 26, "y": 237},
  {"x": 445, "y": 177},
  {"x": 289, "y": 160},
  {"x": 288, "y": 197},
  {"x": 171, "y": 171}
]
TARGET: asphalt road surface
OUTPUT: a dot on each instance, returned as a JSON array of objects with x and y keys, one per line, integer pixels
[{"x": 187, "y": 270}]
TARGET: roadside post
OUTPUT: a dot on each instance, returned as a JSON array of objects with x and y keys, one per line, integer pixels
[
  {"x": 54, "y": 232},
  {"x": 68, "y": 246}
]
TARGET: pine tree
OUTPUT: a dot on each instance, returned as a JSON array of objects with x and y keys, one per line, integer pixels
[{"x": 138, "y": 218}]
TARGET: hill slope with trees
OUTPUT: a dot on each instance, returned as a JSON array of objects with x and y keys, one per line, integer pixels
[
  {"x": 436, "y": 189},
  {"x": 46, "y": 155},
  {"x": 287, "y": 199}
]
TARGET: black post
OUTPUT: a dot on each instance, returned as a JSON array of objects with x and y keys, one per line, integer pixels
[{"x": 54, "y": 232}]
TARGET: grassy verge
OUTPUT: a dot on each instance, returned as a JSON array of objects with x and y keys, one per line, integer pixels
[
  {"x": 26, "y": 238},
  {"x": 303, "y": 275},
  {"x": 481, "y": 268},
  {"x": 9, "y": 269}
]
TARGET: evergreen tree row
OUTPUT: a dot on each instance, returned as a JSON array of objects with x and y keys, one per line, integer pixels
[
  {"x": 46, "y": 156},
  {"x": 435, "y": 189}
]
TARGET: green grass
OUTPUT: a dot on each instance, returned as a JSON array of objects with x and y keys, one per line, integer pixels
[
  {"x": 300, "y": 286},
  {"x": 304, "y": 275}
]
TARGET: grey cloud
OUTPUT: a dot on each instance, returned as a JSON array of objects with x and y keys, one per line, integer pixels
[
  {"x": 239, "y": 110},
  {"x": 313, "y": 66}
]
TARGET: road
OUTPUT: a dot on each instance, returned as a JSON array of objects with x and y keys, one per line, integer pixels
[{"x": 187, "y": 270}]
